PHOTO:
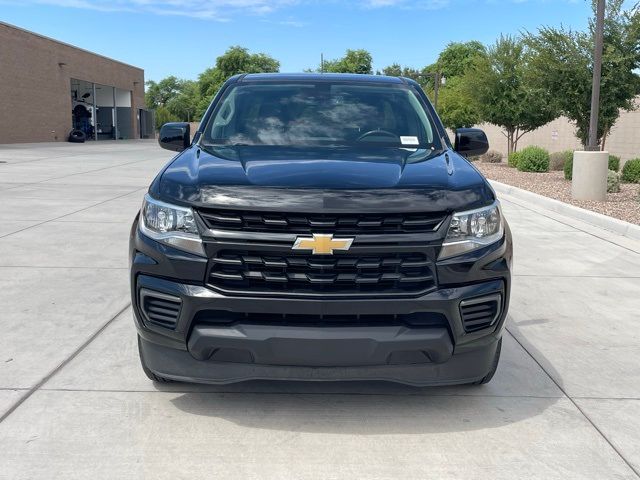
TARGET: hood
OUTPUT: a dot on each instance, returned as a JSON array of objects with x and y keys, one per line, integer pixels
[{"x": 330, "y": 179}]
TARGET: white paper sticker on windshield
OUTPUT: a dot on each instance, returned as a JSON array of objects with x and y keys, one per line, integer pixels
[{"x": 409, "y": 141}]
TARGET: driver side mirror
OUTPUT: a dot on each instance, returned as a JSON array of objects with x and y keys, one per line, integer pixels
[
  {"x": 175, "y": 136},
  {"x": 471, "y": 142}
]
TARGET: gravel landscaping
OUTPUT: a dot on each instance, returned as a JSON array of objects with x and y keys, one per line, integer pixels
[{"x": 624, "y": 205}]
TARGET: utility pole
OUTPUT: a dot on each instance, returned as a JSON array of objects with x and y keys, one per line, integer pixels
[
  {"x": 597, "y": 74},
  {"x": 322, "y": 63},
  {"x": 436, "y": 87},
  {"x": 589, "y": 177},
  {"x": 438, "y": 80}
]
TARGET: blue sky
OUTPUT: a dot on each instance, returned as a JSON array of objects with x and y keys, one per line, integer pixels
[{"x": 183, "y": 37}]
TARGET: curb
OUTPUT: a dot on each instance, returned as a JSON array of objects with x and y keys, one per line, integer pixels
[{"x": 619, "y": 227}]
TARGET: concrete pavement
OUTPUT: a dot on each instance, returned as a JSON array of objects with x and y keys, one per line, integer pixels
[{"x": 565, "y": 402}]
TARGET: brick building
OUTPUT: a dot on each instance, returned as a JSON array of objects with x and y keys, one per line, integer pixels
[{"x": 48, "y": 88}]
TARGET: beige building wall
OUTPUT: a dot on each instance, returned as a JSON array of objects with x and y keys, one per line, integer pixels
[
  {"x": 35, "y": 85},
  {"x": 623, "y": 140}
]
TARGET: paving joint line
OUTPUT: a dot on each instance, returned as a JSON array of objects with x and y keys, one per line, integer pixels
[
  {"x": 575, "y": 404},
  {"x": 509, "y": 200},
  {"x": 43, "y": 183},
  {"x": 104, "y": 222},
  {"x": 63, "y": 364},
  {"x": 77, "y": 173},
  {"x": 48, "y": 158},
  {"x": 581, "y": 397},
  {"x": 42, "y": 159},
  {"x": 74, "y": 212}
]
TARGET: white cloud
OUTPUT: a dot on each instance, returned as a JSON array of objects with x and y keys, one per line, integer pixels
[
  {"x": 407, "y": 4},
  {"x": 220, "y": 10}
]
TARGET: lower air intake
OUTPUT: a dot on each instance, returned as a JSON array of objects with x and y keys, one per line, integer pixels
[
  {"x": 160, "y": 309},
  {"x": 480, "y": 313}
]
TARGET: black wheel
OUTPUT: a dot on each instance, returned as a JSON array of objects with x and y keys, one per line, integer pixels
[
  {"x": 487, "y": 378},
  {"x": 150, "y": 375},
  {"x": 77, "y": 136}
]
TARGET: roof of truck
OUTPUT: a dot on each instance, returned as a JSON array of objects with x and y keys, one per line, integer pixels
[{"x": 319, "y": 77}]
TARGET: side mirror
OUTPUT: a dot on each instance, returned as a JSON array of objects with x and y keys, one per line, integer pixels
[
  {"x": 471, "y": 142},
  {"x": 175, "y": 136}
]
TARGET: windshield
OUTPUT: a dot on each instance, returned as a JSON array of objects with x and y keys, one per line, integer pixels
[{"x": 320, "y": 113}]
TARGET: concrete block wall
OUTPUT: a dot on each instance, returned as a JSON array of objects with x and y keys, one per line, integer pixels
[
  {"x": 558, "y": 135},
  {"x": 35, "y": 85}
]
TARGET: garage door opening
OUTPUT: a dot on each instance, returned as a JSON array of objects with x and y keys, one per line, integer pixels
[
  {"x": 83, "y": 107},
  {"x": 101, "y": 112}
]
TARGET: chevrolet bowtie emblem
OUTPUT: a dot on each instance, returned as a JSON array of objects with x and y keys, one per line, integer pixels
[{"x": 322, "y": 244}]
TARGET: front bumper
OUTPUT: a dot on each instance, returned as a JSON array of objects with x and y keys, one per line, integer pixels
[
  {"x": 180, "y": 365},
  {"x": 438, "y": 351}
]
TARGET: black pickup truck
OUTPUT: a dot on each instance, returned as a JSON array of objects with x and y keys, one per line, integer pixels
[{"x": 320, "y": 227}]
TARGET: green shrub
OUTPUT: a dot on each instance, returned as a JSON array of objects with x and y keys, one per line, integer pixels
[
  {"x": 558, "y": 159},
  {"x": 613, "y": 181},
  {"x": 568, "y": 168},
  {"x": 614, "y": 163},
  {"x": 473, "y": 158},
  {"x": 631, "y": 171},
  {"x": 491, "y": 157},
  {"x": 533, "y": 159},
  {"x": 513, "y": 158}
]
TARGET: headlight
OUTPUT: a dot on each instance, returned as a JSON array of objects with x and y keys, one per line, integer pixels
[
  {"x": 170, "y": 224},
  {"x": 472, "y": 230}
]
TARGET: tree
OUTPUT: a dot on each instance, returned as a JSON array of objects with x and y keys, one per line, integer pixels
[
  {"x": 159, "y": 93},
  {"x": 395, "y": 70},
  {"x": 501, "y": 84},
  {"x": 454, "y": 61},
  {"x": 234, "y": 61},
  {"x": 354, "y": 61},
  {"x": 563, "y": 67},
  {"x": 179, "y": 98},
  {"x": 184, "y": 105},
  {"x": 173, "y": 99},
  {"x": 456, "y": 106},
  {"x": 458, "y": 58},
  {"x": 186, "y": 100},
  {"x": 163, "y": 115},
  {"x": 455, "y": 103}
]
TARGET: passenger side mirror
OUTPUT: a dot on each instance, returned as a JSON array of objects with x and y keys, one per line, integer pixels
[
  {"x": 175, "y": 136},
  {"x": 471, "y": 142}
]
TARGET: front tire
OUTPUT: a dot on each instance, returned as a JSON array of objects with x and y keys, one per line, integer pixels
[{"x": 150, "y": 375}]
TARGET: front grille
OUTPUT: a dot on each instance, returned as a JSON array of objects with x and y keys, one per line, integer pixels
[
  {"x": 159, "y": 308},
  {"x": 479, "y": 313},
  {"x": 302, "y": 273},
  {"x": 338, "y": 224},
  {"x": 223, "y": 317}
]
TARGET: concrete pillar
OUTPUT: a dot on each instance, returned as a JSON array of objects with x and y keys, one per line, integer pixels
[{"x": 590, "y": 175}]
